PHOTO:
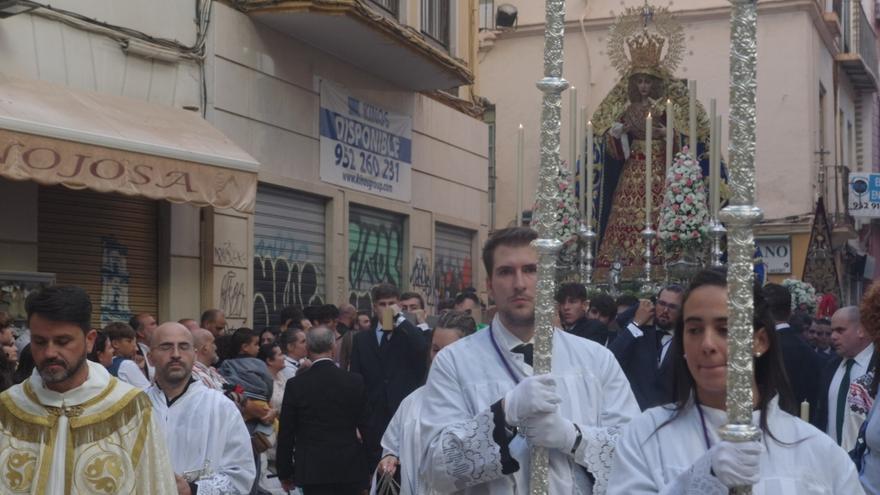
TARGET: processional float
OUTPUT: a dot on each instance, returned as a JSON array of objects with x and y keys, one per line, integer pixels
[{"x": 739, "y": 216}]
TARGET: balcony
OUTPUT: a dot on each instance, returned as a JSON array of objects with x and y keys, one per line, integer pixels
[
  {"x": 367, "y": 35},
  {"x": 858, "y": 45}
]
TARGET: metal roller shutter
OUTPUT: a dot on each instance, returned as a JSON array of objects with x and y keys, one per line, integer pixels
[
  {"x": 289, "y": 252},
  {"x": 453, "y": 260},
  {"x": 104, "y": 243},
  {"x": 375, "y": 252}
]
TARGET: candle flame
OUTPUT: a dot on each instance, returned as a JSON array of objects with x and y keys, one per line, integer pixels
[
  {"x": 520, "y": 126},
  {"x": 649, "y": 115}
]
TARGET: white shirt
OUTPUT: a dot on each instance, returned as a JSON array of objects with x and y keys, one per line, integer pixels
[
  {"x": 130, "y": 373},
  {"x": 151, "y": 370},
  {"x": 456, "y": 422},
  {"x": 207, "y": 439},
  {"x": 291, "y": 366},
  {"x": 674, "y": 460},
  {"x": 859, "y": 368}
]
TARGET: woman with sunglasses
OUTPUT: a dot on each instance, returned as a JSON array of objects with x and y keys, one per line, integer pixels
[{"x": 676, "y": 449}]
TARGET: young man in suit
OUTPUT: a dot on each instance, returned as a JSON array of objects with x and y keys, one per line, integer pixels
[
  {"x": 318, "y": 445},
  {"x": 392, "y": 362},
  {"x": 571, "y": 299},
  {"x": 642, "y": 347}
]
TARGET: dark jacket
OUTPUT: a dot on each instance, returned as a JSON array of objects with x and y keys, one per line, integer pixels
[
  {"x": 593, "y": 330},
  {"x": 819, "y": 414},
  {"x": 802, "y": 366},
  {"x": 390, "y": 373},
  {"x": 322, "y": 412},
  {"x": 638, "y": 358},
  {"x": 251, "y": 373}
]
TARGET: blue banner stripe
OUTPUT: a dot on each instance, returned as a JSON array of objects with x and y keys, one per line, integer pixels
[{"x": 382, "y": 141}]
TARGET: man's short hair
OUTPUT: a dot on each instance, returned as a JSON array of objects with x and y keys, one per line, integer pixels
[
  {"x": 288, "y": 337},
  {"x": 445, "y": 304},
  {"x": 118, "y": 330},
  {"x": 823, "y": 321},
  {"x": 457, "y": 320},
  {"x": 61, "y": 303},
  {"x": 135, "y": 323},
  {"x": 674, "y": 288},
  {"x": 604, "y": 305},
  {"x": 411, "y": 295},
  {"x": 210, "y": 315},
  {"x": 627, "y": 300},
  {"x": 571, "y": 290},
  {"x": 513, "y": 237},
  {"x": 778, "y": 300},
  {"x": 311, "y": 313},
  {"x": 464, "y": 296},
  {"x": 291, "y": 313},
  {"x": 326, "y": 313},
  {"x": 384, "y": 291},
  {"x": 320, "y": 340}
]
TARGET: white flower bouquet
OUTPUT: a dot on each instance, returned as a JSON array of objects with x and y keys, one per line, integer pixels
[
  {"x": 684, "y": 214},
  {"x": 801, "y": 293}
]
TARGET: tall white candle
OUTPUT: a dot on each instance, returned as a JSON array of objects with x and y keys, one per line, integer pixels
[
  {"x": 713, "y": 134},
  {"x": 573, "y": 147},
  {"x": 648, "y": 168},
  {"x": 670, "y": 144},
  {"x": 715, "y": 173},
  {"x": 520, "y": 137},
  {"x": 692, "y": 114},
  {"x": 588, "y": 188}
]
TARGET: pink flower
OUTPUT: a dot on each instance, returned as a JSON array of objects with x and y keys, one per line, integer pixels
[
  {"x": 695, "y": 234},
  {"x": 689, "y": 182},
  {"x": 678, "y": 176},
  {"x": 675, "y": 207},
  {"x": 674, "y": 237},
  {"x": 689, "y": 199}
]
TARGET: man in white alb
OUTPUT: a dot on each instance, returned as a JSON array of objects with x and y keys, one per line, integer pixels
[
  {"x": 208, "y": 442},
  {"x": 483, "y": 407}
]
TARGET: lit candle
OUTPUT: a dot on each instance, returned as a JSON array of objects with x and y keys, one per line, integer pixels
[
  {"x": 713, "y": 135},
  {"x": 670, "y": 146},
  {"x": 573, "y": 153},
  {"x": 692, "y": 103},
  {"x": 520, "y": 137},
  {"x": 715, "y": 173},
  {"x": 648, "y": 169},
  {"x": 588, "y": 188}
]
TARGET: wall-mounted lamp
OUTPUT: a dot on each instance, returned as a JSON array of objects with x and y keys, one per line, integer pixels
[{"x": 505, "y": 16}]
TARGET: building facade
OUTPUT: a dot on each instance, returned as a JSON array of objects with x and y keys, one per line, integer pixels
[
  {"x": 817, "y": 107},
  {"x": 265, "y": 93}
]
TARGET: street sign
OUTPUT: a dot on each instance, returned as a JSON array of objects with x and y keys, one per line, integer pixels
[
  {"x": 776, "y": 252},
  {"x": 864, "y": 195}
]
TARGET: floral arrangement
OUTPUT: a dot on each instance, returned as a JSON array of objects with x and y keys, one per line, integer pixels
[
  {"x": 801, "y": 293},
  {"x": 568, "y": 214},
  {"x": 684, "y": 214}
]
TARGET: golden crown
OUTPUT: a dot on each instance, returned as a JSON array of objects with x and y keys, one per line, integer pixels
[{"x": 645, "y": 50}]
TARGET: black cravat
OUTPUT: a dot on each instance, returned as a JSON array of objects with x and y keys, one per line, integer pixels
[
  {"x": 386, "y": 336},
  {"x": 660, "y": 334},
  {"x": 527, "y": 350}
]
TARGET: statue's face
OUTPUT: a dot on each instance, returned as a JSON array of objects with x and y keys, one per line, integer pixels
[{"x": 644, "y": 84}]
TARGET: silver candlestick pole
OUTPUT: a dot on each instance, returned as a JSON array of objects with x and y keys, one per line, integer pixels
[
  {"x": 740, "y": 216},
  {"x": 548, "y": 197},
  {"x": 717, "y": 231},
  {"x": 589, "y": 238},
  {"x": 648, "y": 235}
]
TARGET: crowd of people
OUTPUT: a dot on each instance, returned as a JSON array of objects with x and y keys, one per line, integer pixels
[{"x": 401, "y": 399}]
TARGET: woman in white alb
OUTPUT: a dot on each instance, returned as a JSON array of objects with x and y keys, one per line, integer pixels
[{"x": 676, "y": 449}]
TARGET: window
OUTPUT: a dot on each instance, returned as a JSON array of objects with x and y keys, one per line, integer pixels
[
  {"x": 435, "y": 20},
  {"x": 390, "y": 6},
  {"x": 487, "y": 14}
]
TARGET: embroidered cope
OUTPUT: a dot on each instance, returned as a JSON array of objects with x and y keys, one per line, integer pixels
[{"x": 99, "y": 438}]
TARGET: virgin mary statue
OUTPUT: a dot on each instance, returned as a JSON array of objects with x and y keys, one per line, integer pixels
[{"x": 619, "y": 123}]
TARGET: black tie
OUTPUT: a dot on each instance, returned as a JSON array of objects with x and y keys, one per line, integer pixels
[
  {"x": 527, "y": 350},
  {"x": 660, "y": 334},
  {"x": 386, "y": 336}
]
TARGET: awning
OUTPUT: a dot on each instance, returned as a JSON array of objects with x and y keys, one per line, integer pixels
[{"x": 53, "y": 134}]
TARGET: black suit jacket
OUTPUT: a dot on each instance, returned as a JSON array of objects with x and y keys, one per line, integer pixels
[
  {"x": 322, "y": 410},
  {"x": 593, "y": 330},
  {"x": 638, "y": 357},
  {"x": 819, "y": 414},
  {"x": 390, "y": 373},
  {"x": 802, "y": 366}
]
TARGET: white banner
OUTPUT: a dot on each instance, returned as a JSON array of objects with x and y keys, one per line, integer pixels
[
  {"x": 364, "y": 147},
  {"x": 864, "y": 195},
  {"x": 776, "y": 252}
]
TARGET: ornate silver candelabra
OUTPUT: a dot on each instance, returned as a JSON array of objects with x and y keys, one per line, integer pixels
[
  {"x": 648, "y": 235},
  {"x": 717, "y": 232},
  {"x": 588, "y": 237},
  {"x": 740, "y": 217}
]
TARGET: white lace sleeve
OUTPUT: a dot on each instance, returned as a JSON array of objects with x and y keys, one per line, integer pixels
[
  {"x": 596, "y": 452},
  {"x": 468, "y": 454},
  {"x": 215, "y": 485},
  {"x": 697, "y": 480}
]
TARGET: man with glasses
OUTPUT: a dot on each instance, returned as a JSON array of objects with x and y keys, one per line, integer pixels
[
  {"x": 208, "y": 442},
  {"x": 642, "y": 348}
]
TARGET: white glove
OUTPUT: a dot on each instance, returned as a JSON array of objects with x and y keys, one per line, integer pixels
[
  {"x": 736, "y": 463},
  {"x": 532, "y": 396},
  {"x": 550, "y": 431}
]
